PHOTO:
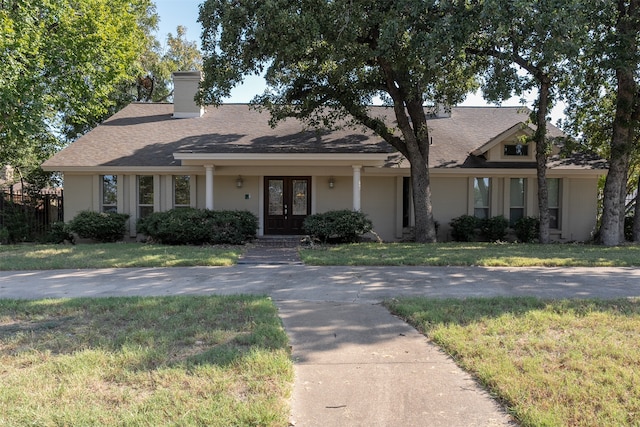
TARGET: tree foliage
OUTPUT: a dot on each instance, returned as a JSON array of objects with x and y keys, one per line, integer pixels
[
  {"x": 326, "y": 61},
  {"x": 528, "y": 45},
  {"x": 154, "y": 83},
  {"x": 62, "y": 62}
]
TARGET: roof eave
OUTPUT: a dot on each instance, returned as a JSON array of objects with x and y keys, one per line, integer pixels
[{"x": 272, "y": 159}]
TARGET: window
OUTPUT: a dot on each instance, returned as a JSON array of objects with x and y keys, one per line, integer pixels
[
  {"x": 406, "y": 201},
  {"x": 516, "y": 150},
  {"x": 481, "y": 197},
  {"x": 109, "y": 193},
  {"x": 517, "y": 190},
  {"x": 553, "y": 188},
  {"x": 181, "y": 191},
  {"x": 145, "y": 195}
]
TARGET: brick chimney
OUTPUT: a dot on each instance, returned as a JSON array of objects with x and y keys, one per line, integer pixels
[{"x": 185, "y": 87}]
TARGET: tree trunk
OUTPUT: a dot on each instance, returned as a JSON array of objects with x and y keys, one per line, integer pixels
[
  {"x": 636, "y": 215},
  {"x": 622, "y": 136},
  {"x": 542, "y": 157},
  {"x": 613, "y": 202},
  {"x": 415, "y": 148},
  {"x": 623, "y": 205},
  {"x": 418, "y": 150},
  {"x": 421, "y": 188}
]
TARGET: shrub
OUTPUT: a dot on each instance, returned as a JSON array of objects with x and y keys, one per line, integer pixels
[
  {"x": 58, "y": 233},
  {"x": 99, "y": 226},
  {"x": 341, "y": 226},
  {"x": 527, "y": 229},
  {"x": 4, "y": 236},
  {"x": 175, "y": 227},
  {"x": 190, "y": 226},
  {"x": 15, "y": 219},
  {"x": 233, "y": 227},
  {"x": 464, "y": 228},
  {"x": 494, "y": 228},
  {"x": 628, "y": 228}
]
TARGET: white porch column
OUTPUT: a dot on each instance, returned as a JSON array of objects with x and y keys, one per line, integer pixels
[
  {"x": 209, "y": 186},
  {"x": 356, "y": 187}
]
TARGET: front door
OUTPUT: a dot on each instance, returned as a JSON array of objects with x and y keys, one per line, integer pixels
[{"x": 288, "y": 203}]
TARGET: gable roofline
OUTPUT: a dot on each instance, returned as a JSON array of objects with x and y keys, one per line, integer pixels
[
  {"x": 147, "y": 136},
  {"x": 521, "y": 126}
]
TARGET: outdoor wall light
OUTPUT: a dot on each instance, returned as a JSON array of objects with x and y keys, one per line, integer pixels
[
  {"x": 332, "y": 182},
  {"x": 239, "y": 182}
]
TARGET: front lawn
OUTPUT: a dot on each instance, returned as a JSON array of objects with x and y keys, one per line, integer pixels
[
  {"x": 114, "y": 255},
  {"x": 481, "y": 254},
  {"x": 118, "y": 255},
  {"x": 187, "y": 361},
  {"x": 553, "y": 363}
]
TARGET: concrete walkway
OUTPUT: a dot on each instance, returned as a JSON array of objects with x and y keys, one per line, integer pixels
[{"x": 356, "y": 365}]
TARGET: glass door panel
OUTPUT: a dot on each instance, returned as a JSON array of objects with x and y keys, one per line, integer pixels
[
  {"x": 299, "y": 196},
  {"x": 288, "y": 203},
  {"x": 276, "y": 196}
]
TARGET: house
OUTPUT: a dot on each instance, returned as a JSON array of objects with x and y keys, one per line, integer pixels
[{"x": 154, "y": 157}]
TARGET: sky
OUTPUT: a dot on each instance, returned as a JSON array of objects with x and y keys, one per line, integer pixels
[{"x": 185, "y": 12}]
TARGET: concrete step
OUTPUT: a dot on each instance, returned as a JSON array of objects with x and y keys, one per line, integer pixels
[{"x": 278, "y": 241}]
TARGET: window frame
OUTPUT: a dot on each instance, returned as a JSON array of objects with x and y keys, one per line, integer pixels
[
  {"x": 187, "y": 189},
  {"x": 109, "y": 206},
  {"x": 142, "y": 209},
  {"x": 523, "y": 147},
  {"x": 486, "y": 208},
  {"x": 554, "y": 210},
  {"x": 512, "y": 207}
]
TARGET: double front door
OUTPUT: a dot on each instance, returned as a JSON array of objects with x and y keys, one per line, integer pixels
[{"x": 288, "y": 203}]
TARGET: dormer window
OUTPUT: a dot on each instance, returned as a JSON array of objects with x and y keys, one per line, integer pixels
[{"x": 516, "y": 150}]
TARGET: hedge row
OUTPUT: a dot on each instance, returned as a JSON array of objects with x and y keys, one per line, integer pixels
[
  {"x": 340, "y": 226},
  {"x": 190, "y": 226},
  {"x": 467, "y": 228}
]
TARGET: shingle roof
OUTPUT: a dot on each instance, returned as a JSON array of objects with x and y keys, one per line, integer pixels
[{"x": 144, "y": 134}]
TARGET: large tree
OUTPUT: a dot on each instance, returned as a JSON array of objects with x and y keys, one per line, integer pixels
[
  {"x": 62, "y": 61},
  {"x": 528, "y": 45},
  {"x": 624, "y": 60},
  {"x": 605, "y": 105},
  {"x": 325, "y": 61}
]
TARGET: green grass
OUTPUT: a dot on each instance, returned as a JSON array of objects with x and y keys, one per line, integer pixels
[
  {"x": 118, "y": 255},
  {"x": 188, "y": 361},
  {"x": 110, "y": 255},
  {"x": 481, "y": 254},
  {"x": 553, "y": 363}
]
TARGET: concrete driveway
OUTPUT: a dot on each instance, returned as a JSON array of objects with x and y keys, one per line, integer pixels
[{"x": 337, "y": 284}]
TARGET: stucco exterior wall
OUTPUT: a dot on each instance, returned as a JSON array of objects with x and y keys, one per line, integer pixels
[
  {"x": 78, "y": 195},
  {"x": 381, "y": 199},
  {"x": 200, "y": 191},
  {"x": 227, "y": 195},
  {"x": 336, "y": 198},
  {"x": 449, "y": 197},
  {"x": 379, "y": 203},
  {"x": 581, "y": 211}
]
